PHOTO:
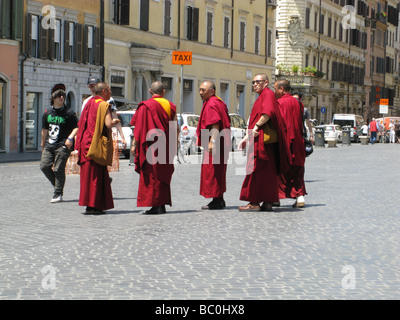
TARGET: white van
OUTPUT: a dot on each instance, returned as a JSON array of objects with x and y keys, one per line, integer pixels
[{"x": 353, "y": 121}]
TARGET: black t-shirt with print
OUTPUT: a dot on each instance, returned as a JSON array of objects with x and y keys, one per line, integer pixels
[{"x": 60, "y": 123}]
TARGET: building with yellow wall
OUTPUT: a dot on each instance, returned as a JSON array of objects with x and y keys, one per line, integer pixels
[{"x": 230, "y": 41}]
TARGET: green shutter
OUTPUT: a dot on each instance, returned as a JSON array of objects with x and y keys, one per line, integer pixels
[
  {"x": 5, "y": 9},
  {"x": 17, "y": 16}
]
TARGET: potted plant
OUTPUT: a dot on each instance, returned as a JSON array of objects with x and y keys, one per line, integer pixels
[
  {"x": 311, "y": 70},
  {"x": 280, "y": 68},
  {"x": 295, "y": 69}
]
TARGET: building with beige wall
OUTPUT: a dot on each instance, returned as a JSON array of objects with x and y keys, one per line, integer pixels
[
  {"x": 324, "y": 35},
  {"x": 61, "y": 44},
  {"x": 230, "y": 42}
]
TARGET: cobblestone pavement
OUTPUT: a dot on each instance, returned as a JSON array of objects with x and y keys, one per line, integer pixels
[{"x": 343, "y": 245}]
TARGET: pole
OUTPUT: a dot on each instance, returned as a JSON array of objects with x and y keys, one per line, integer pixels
[{"x": 181, "y": 89}]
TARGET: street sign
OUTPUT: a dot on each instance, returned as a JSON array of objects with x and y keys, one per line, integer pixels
[
  {"x": 182, "y": 57},
  {"x": 384, "y": 106},
  {"x": 323, "y": 110}
]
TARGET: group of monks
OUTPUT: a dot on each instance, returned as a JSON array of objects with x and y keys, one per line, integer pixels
[{"x": 274, "y": 169}]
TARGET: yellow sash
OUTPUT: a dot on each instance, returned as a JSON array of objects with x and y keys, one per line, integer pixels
[{"x": 165, "y": 104}]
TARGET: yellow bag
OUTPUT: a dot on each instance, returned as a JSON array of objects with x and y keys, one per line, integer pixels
[
  {"x": 101, "y": 149},
  {"x": 270, "y": 134}
]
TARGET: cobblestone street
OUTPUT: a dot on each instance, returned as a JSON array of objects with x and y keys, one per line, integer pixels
[{"x": 343, "y": 245}]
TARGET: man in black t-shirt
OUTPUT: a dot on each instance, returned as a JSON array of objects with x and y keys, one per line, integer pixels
[{"x": 59, "y": 127}]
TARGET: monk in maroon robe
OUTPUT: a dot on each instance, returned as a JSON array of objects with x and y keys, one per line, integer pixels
[
  {"x": 214, "y": 134},
  {"x": 265, "y": 161},
  {"x": 291, "y": 183},
  {"x": 154, "y": 147},
  {"x": 95, "y": 184}
]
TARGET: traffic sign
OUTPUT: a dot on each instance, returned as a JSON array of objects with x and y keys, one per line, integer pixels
[
  {"x": 384, "y": 106},
  {"x": 323, "y": 110},
  {"x": 182, "y": 57}
]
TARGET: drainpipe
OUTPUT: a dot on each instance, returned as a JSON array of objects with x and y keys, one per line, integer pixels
[
  {"x": 179, "y": 24},
  {"x": 21, "y": 109},
  {"x": 266, "y": 32},
  {"x": 233, "y": 5},
  {"x": 102, "y": 38}
]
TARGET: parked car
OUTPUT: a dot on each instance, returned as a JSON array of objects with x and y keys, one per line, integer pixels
[
  {"x": 332, "y": 131},
  {"x": 238, "y": 129},
  {"x": 125, "y": 118},
  {"x": 353, "y": 121},
  {"x": 188, "y": 124}
]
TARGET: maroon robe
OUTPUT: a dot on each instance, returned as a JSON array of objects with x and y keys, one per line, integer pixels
[
  {"x": 95, "y": 184},
  {"x": 213, "y": 167},
  {"x": 155, "y": 176},
  {"x": 265, "y": 161},
  {"x": 291, "y": 183}
]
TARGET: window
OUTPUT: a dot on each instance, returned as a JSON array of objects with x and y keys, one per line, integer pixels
[
  {"x": 167, "y": 17},
  {"x": 89, "y": 45},
  {"x": 257, "y": 40},
  {"x": 242, "y": 40},
  {"x": 307, "y": 22},
  {"x": 33, "y": 40},
  {"x": 329, "y": 27},
  {"x": 210, "y": 19},
  {"x": 120, "y": 12},
  {"x": 11, "y": 19},
  {"x": 270, "y": 44},
  {"x": 321, "y": 24},
  {"x": 227, "y": 28},
  {"x": 144, "y": 15},
  {"x": 192, "y": 23},
  {"x": 57, "y": 41},
  {"x": 69, "y": 37}
]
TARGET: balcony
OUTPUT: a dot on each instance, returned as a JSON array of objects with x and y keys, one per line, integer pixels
[{"x": 301, "y": 82}]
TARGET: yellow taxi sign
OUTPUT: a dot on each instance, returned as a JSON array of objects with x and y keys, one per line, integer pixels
[{"x": 182, "y": 57}]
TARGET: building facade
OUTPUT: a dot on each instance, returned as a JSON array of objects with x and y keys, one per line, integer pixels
[
  {"x": 61, "y": 44},
  {"x": 230, "y": 42},
  {"x": 11, "y": 32}
]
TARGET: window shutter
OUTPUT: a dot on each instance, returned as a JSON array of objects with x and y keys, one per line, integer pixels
[
  {"x": 144, "y": 15},
  {"x": 209, "y": 27},
  {"x": 18, "y": 14},
  {"x": 85, "y": 45},
  {"x": 43, "y": 41},
  {"x": 226, "y": 32},
  {"x": 189, "y": 26},
  {"x": 5, "y": 10},
  {"x": 167, "y": 18},
  {"x": 124, "y": 12},
  {"x": 195, "y": 24},
  {"x": 51, "y": 44},
  {"x": 28, "y": 42},
  {"x": 97, "y": 48},
  {"x": 79, "y": 44},
  {"x": 67, "y": 57}
]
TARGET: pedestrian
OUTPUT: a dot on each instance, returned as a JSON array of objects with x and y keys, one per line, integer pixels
[
  {"x": 154, "y": 157},
  {"x": 307, "y": 119},
  {"x": 118, "y": 126},
  {"x": 397, "y": 130},
  {"x": 364, "y": 129},
  {"x": 214, "y": 134},
  {"x": 373, "y": 130},
  {"x": 291, "y": 183},
  {"x": 392, "y": 133},
  {"x": 266, "y": 157},
  {"x": 59, "y": 127},
  {"x": 95, "y": 126},
  {"x": 91, "y": 83}
]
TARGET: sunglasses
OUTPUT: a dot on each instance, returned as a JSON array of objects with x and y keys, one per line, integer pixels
[{"x": 257, "y": 81}]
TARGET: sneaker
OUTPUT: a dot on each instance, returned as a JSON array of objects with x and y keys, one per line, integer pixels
[{"x": 56, "y": 198}]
